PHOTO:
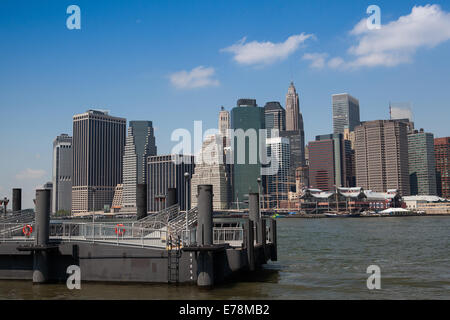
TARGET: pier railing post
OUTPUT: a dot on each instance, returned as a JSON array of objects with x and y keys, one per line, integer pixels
[
  {"x": 205, "y": 276},
  {"x": 42, "y": 218}
]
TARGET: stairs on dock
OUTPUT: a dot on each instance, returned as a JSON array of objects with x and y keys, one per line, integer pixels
[{"x": 173, "y": 260}]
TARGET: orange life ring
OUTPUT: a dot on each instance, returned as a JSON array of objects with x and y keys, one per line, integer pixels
[
  {"x": 118, "y": 230},
  {"x": 27, "y": 230}
]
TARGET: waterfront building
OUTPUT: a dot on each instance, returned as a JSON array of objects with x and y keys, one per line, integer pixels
[
  {"x": 345, "y": 112},
  {"x": 210, "y": 168},
  {"x": 442, "y": 155},
  {"x": 98, "y": 143},
  {"x": 246, "y": 118},
  {"x": 422, "y": 163},
  {"x": 167, "y": 171},
  {"x": 277, "y": 185},
  {"x": 62, "y": 171},
  {"x": 354, "y": 199},
  {"x": 140, "y": 144},
  {"x": 275, "y": 117},
  {"x": 381, "y": 152},
  {"x": 329, "y": 158}
]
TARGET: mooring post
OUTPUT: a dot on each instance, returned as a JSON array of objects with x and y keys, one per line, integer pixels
[
  {"x": 205, "y": 273},
  {"x": 250, "y": 244},
  {"x": 273, "y": 238},
  {"x": 255, "y": 215},
  {"x": 171, "y": 197},
  {"x": 42, "y": 220},
  {"x": 16, "y": 199},
  {"x": 141, "y": 201}
]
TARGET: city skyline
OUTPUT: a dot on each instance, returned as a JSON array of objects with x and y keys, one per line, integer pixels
[{"x": 155, "y": 93}]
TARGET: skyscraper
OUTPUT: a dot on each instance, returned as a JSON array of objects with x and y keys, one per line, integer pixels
[
  {"x": 98, "y": 145},
  {"x": 328, "y": 162},
  {"x": 140, "y": 144},
  {"x": 62, "y": 174},
  {"x": 345, "y": 112},
  {"x": 164, "y": 172},
  {"x": 442, "y": 155},
  {"x": 381, "y": 152},
  {"x": 294, "y": 118},
  {"x": 294, "y": 132},
  {"x": 277, "y": 184},
  {"x": 211, "y": 169},
  {"x": 224, "y": 122},
  {"x": 275, "y": 117},
  {"x": 246, "y": 121},
  {"x": 422, "y": 163}
]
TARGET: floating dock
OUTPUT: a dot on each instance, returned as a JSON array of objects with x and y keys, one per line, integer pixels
[{"x": 168, "y": 247}]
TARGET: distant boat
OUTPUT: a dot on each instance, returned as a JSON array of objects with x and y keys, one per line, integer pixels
[{"x": 343, "y": 215}]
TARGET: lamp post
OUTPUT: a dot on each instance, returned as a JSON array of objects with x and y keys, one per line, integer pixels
[{"x": 187, "y": 176}]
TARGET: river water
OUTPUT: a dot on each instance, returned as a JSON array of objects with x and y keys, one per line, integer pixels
[{"x": 318, "y": 259}]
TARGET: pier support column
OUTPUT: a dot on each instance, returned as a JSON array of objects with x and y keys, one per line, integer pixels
[
  {"x": 171, "y": 197},
  {"x": 264, "y": 239},
  {"x": 255, "y": 215},
  {"x": 273, "y": 239},
  {"x": 205, "y": 276},
  {"x": 250, "y": 244},
  {"x": 141, "y": 201},
  {"x": 42, "y": 220},
  {"x": 16, "y": 199}
]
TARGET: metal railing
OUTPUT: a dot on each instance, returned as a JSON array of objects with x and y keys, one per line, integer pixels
[
  {"x": 118, "y": 234},
  {"x": 234, "y": 236},
  {"x": 17, "y": 231}
]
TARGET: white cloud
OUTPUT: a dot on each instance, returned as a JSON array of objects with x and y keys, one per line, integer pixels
[
  {"x": 29, "y": 174},
  {"x": 196, "y": 78},
  {"x": 317, "y": 59},
  {"x": 398, "y": 41},
  {"x": 336, "y": 62},
  {"x": 263, "y": 53}
]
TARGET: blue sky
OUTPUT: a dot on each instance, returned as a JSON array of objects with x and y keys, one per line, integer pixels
[{"x": 174, "y": 62}]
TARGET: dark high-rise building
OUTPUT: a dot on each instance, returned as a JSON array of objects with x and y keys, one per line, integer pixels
[
  {"x": 164, "y": 172},
  {"x": 140, "y": 144},
  {"x": 328, "y": 162},
  {"x": 275, "y": 117},
  {"x": 345, "y": 112},
  {"x": 246, "y": 121},
  {"x": 422, "y": 163},
  {"x": 442, "y": 155},
  {"x": 98, "y": 146},
  {"x": 62, "y": 174},
  {"x": 381, "y": 153}
]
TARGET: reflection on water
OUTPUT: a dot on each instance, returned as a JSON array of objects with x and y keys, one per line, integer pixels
[{"x": 318, "y": 259}]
